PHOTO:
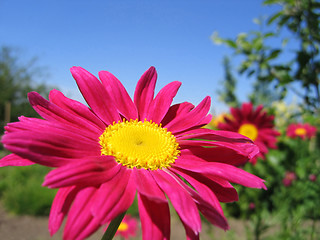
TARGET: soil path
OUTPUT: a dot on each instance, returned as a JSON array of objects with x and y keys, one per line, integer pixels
[{"x": 36, "y": 228}]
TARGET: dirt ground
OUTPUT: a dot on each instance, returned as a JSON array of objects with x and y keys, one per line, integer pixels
[{"x": 35, "y": 228}]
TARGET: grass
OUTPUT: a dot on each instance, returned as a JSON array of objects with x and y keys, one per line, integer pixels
[{"x": 21, "y": 191}]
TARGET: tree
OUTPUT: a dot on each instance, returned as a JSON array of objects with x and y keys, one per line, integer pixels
[
  {"x": 265, "y": 63},
  {"x": 16, "y": 80},
  {"x": 227, "y": 94}
]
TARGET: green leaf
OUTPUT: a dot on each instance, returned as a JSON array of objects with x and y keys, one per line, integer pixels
[
  {"x": 283, "y": 77},
  {"x": 230, "y": 43},
  {"x": 257, "y": 43},
  {"x": 274, "y": 54},
  {"x": 284, "y": 42},
  {"x": 274, "y": 17},
  {"x": 250, "y": 73},
  {"x": 216, "y": 39},
  {"x": 269, "y": 34},
  {"x": 268, "y": 2}
]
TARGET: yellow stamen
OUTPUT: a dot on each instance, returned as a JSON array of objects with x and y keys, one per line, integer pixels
[
  {"x": 123, "y": 227},
  {"x": 300, "y": 131},
  {"x": 140, "y": 144},
  {"x": 249, "y": 130}
]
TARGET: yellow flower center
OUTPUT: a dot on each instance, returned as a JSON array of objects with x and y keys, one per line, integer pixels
[
  {"x": 123, "y": 227},
  {"x": 140, "y": 144},
  {"x": 300, "y": 131},
  {"x": 249, "y": 130}
]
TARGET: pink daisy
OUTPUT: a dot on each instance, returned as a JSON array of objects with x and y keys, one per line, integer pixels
[
  {"x": 302, "y": 130},
  {"x": 313, "y": 177},
  {"x": 255, "y": 124},
  {"x": 128, "y": 227},
  {"x": 107, "y": 153},
  {"x": 289, "y": 178}
]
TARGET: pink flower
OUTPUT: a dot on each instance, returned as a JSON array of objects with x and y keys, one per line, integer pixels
[
  {"x": 128, "y": 227},
  {"x": 255, "y": 124},
  {"x": 107, "y": 153},
  {"x": 302, "y": 130},
  {"x": 252, "y": 206},
  {"x": 312, "y": 177},
  {"x": 289, "y": 178}
]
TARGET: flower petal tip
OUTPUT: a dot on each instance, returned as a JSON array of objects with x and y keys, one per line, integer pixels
[{"x": 264, "y": 187}]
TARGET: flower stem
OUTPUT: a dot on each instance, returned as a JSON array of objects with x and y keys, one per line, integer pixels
[{"x": 113, "y": 227}]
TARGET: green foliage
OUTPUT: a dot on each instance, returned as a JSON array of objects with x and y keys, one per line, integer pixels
[
  {"x": 133, "y": 209},
  {"x": 228, "y": 95},
  {"x": 21, "y": 191},
  {"x": 273, "y": 73},
  {"x": 294, "y": 207},
  {"x": 16, "y": 80}
]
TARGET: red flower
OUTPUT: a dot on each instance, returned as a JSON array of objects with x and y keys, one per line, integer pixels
[
  {"x": 302, "y": 130},
  {"x": 128, "y": 227},
  {"x": 252, "y": 206},
  {"x": 255, "y": 124},
  {"x": 289, "y": 178},
  {"x": 312, "y": 177},
  {"x": 117, "y": 147}
]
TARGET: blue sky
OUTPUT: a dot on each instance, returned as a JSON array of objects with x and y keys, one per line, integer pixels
[{"x": 126, "y": 37}]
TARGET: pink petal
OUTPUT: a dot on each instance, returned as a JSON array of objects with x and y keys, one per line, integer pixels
[
  {"x": 43, "y": 127},
  {"x": 204, "y": 191},
  {"x": 14, "y": 160},
  {"x": 247, "y": 110},
  {"x": 96, "y": 95},
  {"x": 48, "y": 145},
  {"x": 91, "y": 171},
  {"x": 52, "y": 112},
  {"x": 237, "y": 114},
  {"x": 224, "y": 191},
  {"x": 144, "y": 92},
  {"x": 205, "y": 121},
  {"x": 76, "y": 108},
  {"x": 79, "y": 215},
  {"x": 246, "y": 149},
  {"x": 180, "y": 199},
  {"x": 229, "y": 125},
  {"x": 39, "y": 158},
  {"x": 208, "y": 134},
  {"x": 155, "y": 219},
  {"x": 210, "y": 212},
  {"x": 216, "y": 154},
  {"x": 160, "y": 105},
  {"x": 119, "y": 95},
  {"x": 89, "y": 229},
  {"x": 110, "y": 193},
  {"x": 175, "y": 111},
  {"x": 257, "y": 112},
  {"x": 40, "y": 125},
  {"x": 189, "y": 233},
  {"x": 125, "y": 201},
  {"x": 60, "y": 207},
  {"x": 221, "y": 170},
  {"x": 214, "y": 216},
  {"x": 190, "y": 119},
  {"x": 147, "y": 186}
]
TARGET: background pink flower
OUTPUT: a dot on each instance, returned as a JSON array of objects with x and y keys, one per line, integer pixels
[
  {"x": 128, "y": 227},
  {"x": 252, "y": 206},
  {"x": 255, "y": 124},
  {"x": 302, "y": 130},
  {"x": 289, "y": 178},
  {"x": 312, "y": 177}
]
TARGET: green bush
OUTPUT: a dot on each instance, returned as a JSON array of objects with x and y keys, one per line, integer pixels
[
  {"x": 294, "y": 206},
  {"x": 21, "y": 191}
]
